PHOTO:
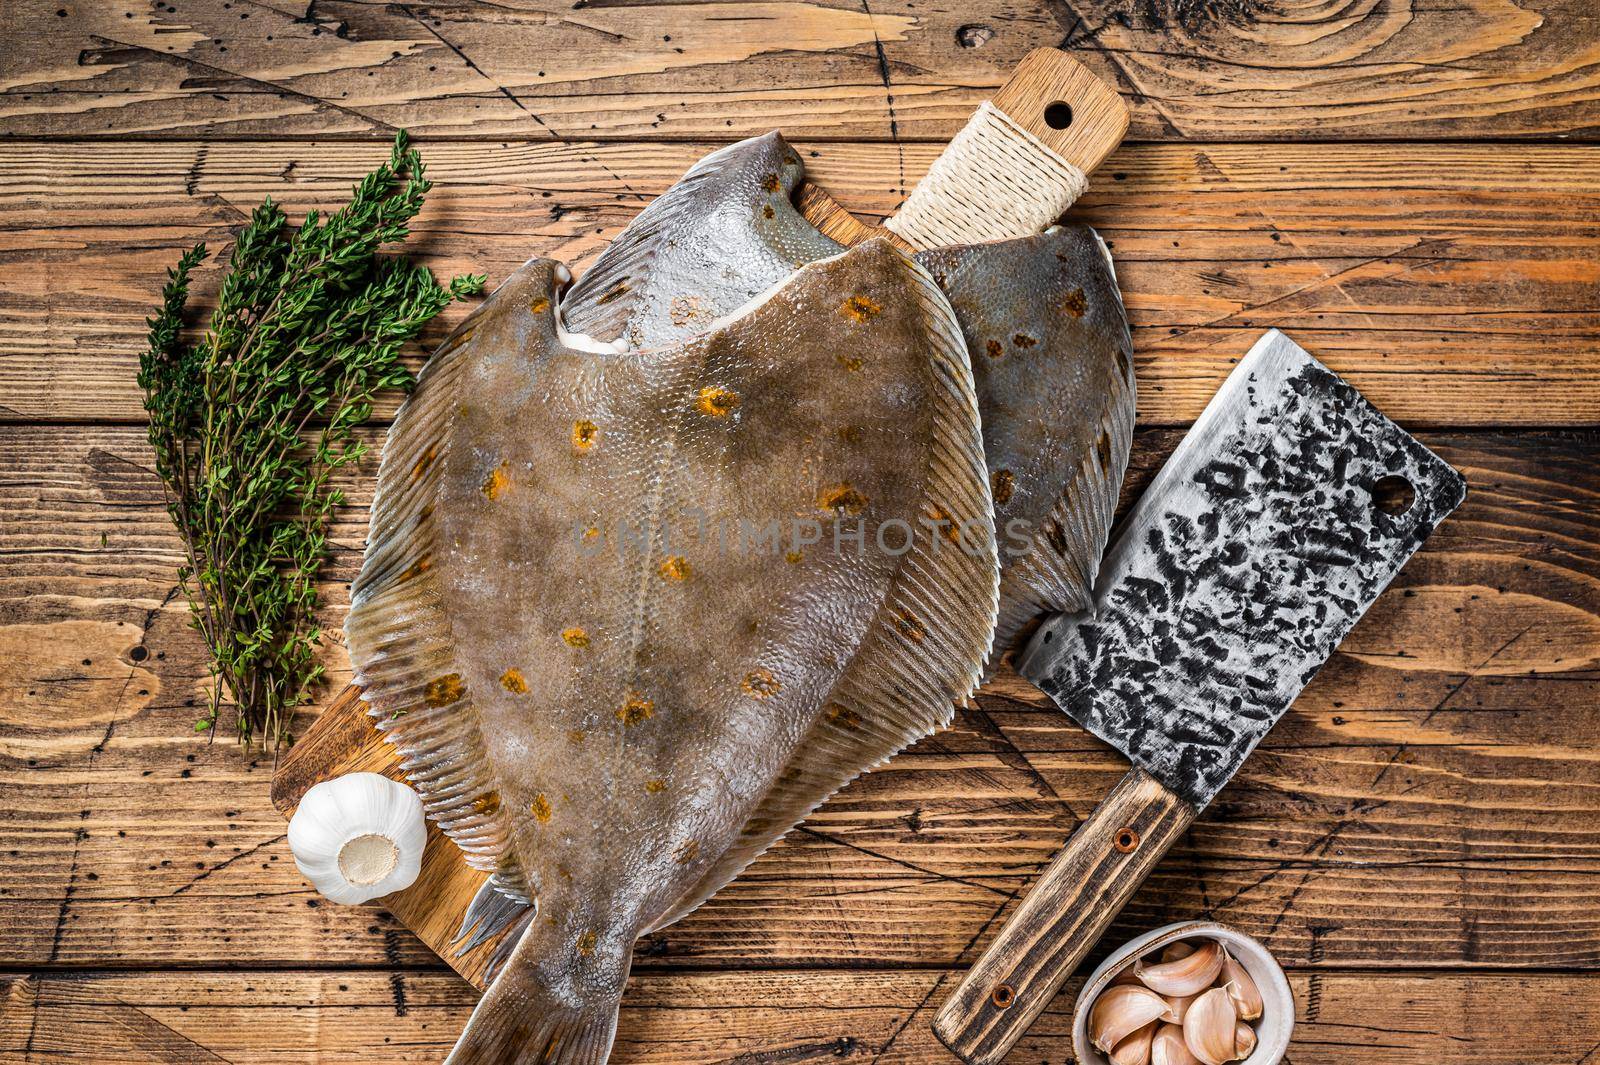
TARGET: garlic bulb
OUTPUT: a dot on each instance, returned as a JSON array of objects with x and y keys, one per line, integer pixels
[{"x": 358, "y": 836}]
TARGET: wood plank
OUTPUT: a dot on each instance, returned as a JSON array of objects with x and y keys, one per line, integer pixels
[
  {"x": 1471, "y": 267},
  {"x": 1430, "y": 800},
  {"x": 1246, "y": 69},
  {"x": 746, "y": 1018}
]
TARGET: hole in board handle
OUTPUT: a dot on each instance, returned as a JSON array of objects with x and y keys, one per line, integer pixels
[
  {"x": 1393, "y": 495},
  {"x": 1002, "y": 996},
  {"x": 1058, "y": 115},
  {"x": 1127, "y": 840}
]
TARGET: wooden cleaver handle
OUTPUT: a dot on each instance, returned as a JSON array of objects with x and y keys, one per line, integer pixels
[
  {"x": 1020, "y": 161},
  {"x": 1061, "y": 918}
]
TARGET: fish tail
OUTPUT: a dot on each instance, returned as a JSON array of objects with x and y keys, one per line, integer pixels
[{"x": 528, "y": 1017}]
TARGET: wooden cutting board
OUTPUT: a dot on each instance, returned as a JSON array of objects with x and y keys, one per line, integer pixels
[{"x": 1056, "y": 101}]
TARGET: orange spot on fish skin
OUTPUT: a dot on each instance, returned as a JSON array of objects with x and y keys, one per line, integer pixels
[
  {"x": 944, "y": 522},
  {"x": 575, "y": 637},
  {"x": 842, "y": 715},
  {"x": 576, "y": 735},
  {"x": 563, "y": 872},
  {"x": 1003, "y": 483},
  {"x": 770, "y": 182},
  {"x": 416, "y": 569},
  {"x": 792, "y": 557},
  {"x": 586, "y": 943},
  {"x": 635, "y": 709},
  {"x": 842, "y": 497},
  {"x": 442, "y": 691},
  {"x": 853, "y": 363},
  {"x": 1023, "y": 340},
  {"x": 614, "y": 293},
  {"x": 759, "y": 683},
  {"x": 687, "y": 852},
  {"x": 540, "y": 808},
  {"x": 514, "y": 682},
  {"x": 655, "y": 787},
  {"x": 716, "y": 402},
  {"x": 539, "y": 304},
  {"x": 494, "y": 486},
  {"x": 1075, "y": 303},
  {"x": 420, "y": 467},
  {"x": 584, "y": 433},
  {"x": 860, "y": 308},
  {"x": 674, "y": 568},
  {"x": 487, "y": 804},
  {"x": 995, "y": 349},
  {"x": 767, "y": 211},
  {"x": 910, "y": 627},
  {"x": 850, "y": 434}
]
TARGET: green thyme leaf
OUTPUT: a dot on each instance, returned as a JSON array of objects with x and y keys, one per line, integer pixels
[{"x": 250, "y": 421}]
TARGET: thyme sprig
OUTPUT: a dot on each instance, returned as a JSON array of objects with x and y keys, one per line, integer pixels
[{"x": 250, "y": 422}]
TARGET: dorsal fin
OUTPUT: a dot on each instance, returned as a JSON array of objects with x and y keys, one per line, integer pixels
[{"x": 396, "y": 630}]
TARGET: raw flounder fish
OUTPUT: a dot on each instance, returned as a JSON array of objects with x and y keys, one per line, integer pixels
[
  {"x": 617, "y": 728},
  {"x": 1044, "y": 324}
]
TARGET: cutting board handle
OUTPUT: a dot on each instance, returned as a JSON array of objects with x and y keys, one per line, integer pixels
[
  {"x": 1061, "y": 918},
  {"x": 1020, "y": 161}
]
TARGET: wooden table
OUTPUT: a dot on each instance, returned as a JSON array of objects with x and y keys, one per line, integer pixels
[{"x": 1412, "y": 190}]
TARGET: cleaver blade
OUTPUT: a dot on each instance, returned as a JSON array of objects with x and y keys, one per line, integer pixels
[{"x": 1284, "y": 513}]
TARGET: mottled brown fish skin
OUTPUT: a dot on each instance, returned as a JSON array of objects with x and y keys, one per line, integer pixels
[
  {"x": 1044, "y": 322},
  {"x": 1053, "y": 360},
  {"x": 616, "y": 713}
]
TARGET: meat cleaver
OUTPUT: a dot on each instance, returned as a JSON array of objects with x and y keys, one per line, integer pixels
[{"x": 1285, "y": 511}]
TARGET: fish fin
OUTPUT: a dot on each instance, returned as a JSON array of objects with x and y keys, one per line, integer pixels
[
  {"x": 923, "y": 651},
  {"x": 1057, "y": 573},
  {"x": 493, "y": 909},
  {"x": 397, "y": 631},
  {"x": 527, "y": 1017}
]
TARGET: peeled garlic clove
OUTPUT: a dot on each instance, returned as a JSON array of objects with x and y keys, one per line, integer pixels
[
  {"x": 358, "y": 837},
  {"x": 1181, "y": 949},
  {"x": 1134, "y": 1050},
  {"x": 1121, "y": 1011},
  {"x": 1179, "y": 1005},
  {"x": 1244, "y": 1040},
  {"x": 1168, "y": 1047},
  {"x": 1241, "y": 988},
  {"x": 1188, "y": 975},
  {"x": 1209, "y": 1027}
]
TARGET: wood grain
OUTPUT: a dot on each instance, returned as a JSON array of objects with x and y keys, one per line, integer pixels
[
  {"x": 891, "y": 69},
  {"x": 1061, "y": 917},
  {"x": 1429, "y": 801},
  {"x": 1471, "y": 268},
  {"x": 736, "y": 1018}
]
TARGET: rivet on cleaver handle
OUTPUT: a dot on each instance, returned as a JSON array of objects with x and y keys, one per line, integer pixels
[{"x": 1286, "y": 510}]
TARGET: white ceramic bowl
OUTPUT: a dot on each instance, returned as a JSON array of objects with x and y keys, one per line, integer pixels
[{"x": 1277, "y": 1001}]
